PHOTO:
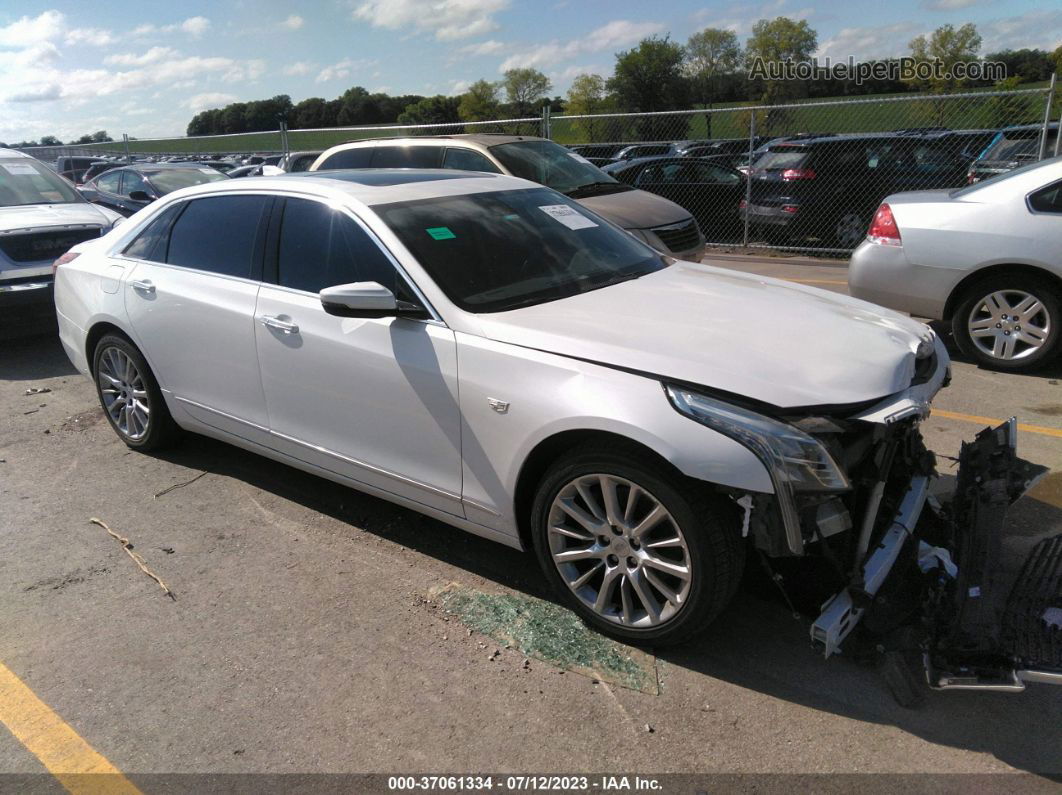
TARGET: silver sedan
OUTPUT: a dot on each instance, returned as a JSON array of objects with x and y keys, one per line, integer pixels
[{"x": 986, "y": 258}]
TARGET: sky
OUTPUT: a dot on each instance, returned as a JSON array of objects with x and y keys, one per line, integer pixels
[{"x": 144, "y": 67}]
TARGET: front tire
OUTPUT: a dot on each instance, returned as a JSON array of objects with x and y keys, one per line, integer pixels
[
  {"x": 130, "y": 395},
  {"x": 1009, "y": 323},
  {"x": 640, "y": 552}
]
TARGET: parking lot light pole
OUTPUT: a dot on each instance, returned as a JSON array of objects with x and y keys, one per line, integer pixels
[{"x": 748, "y": 176}]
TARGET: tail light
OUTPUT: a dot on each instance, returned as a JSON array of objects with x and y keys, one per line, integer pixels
[
  {"x": 792, "y": 174},
  {"x": 791, "y": 209},
  {"x": 69, "y": 256},
  {"x": 742, "y": 204},
  {"x": 883, "y": 229},
  {"x": 971, "y": 178}
]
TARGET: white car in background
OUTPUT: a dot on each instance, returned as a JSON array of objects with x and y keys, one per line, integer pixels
[
  {"x": 491, "y": 353},
  {"x": 41, "y": 216},
  {"x": 987, "y": 258}
]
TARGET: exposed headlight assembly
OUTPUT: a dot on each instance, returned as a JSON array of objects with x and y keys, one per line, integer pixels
[{"x": 795, "y": 461}]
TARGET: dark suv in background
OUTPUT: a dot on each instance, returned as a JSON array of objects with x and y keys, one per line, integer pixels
[
  {"x": 1010, "y": 148},
  {"x": 827, "y": 189}
]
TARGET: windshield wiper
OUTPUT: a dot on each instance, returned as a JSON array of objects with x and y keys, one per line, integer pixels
[{"x": 596, "y": 188}]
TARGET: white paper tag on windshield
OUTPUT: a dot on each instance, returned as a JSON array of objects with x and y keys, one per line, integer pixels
[
  {"x": 579, "y": 157},
  {"x": 209, "y": 170},
  {"x": 568, "y": 216},
  {"x": 20, "y": 168}
]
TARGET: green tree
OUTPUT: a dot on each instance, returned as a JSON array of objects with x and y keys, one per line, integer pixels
[
  {"x": 480, "y": 102},
  {"x": 777, "y": 40},
  {"x": 710, "y": 53},
  {"x": 50, "y": 140},
  {"x": 649, "y": 78},
  {"x": 587, "y": 96},
  {"x": 432, "y": 110},
  {"x": 947, "y": 45},
  {"x": 525, "y": 88}
]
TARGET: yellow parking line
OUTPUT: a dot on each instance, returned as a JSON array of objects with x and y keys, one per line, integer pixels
[
  {"x": 818, "y": 281},
  {"x": 77, "y": 766},
  {"x": 955, "y": 415}
]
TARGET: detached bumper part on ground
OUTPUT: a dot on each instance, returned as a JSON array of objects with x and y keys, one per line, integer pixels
[{"x": 948, "y": 614}]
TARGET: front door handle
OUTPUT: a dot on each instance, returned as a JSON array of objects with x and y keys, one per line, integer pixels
[
  {"x": 272, "y": 321},
  {"x": 143, "y": 285}
]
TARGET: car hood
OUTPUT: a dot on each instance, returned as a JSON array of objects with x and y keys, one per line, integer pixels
[
  {"x": 33, "y": 216},
  {"x": 776, "y": 342},
  {"x": 636, "y": 209}
]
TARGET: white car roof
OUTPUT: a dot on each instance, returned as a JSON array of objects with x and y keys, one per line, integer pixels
[
  {"x": 372, "y": 186},
  {"x": 6, "y": 153}
]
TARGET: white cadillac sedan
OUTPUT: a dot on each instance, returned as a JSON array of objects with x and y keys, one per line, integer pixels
[{"x": 491, "y": 353}]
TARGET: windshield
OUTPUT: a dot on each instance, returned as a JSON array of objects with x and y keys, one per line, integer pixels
[
  {"x": 491, "y": 252},
  {"x": 25, "y": 181},
  {"x": 996, "y": 179},
  {"x": 555, "y": 167},
  {"x": 177, "y": 178},
  {"x": 1019, "y": 145}
]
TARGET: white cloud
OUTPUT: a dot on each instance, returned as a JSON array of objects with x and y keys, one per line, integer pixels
[
  {"x": 459, "y": 87},
  {"x": 868, "y": 43},
  {"x": 153, "y": 55},
  {"x": 210, "y": 99},
  {"x": 45, "y": 93},
  {"x": 196, "y": 26},
  {"x": 342, "y": 69},
  {"x": 298, "y": 68},
  {"x": 27, "y": 31},
  {"x": 447, "y": 20},
  {"x": 294, "y": 22},
  {"x": 611, "y": 36},
  {"x": 95, "y": 37},
  {"x": 949, "y": 5},
  {"x": 482, "y": 48},
  {"x": 1041, "y": 28}
]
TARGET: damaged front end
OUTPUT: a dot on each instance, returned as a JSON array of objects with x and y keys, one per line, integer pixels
[{"x": 929, "y": 590}]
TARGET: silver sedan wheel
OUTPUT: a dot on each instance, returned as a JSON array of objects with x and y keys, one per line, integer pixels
[
  {"x": 850, "y": 230},
  {"x": 1009, "y": 324},
  {"x": 124, "y": 393},
  {"x": 620, "y": 551}
]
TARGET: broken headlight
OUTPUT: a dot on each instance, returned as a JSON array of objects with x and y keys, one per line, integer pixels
[{"x": 792, "y": 457}]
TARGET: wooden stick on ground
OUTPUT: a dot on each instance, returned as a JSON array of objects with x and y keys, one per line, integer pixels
[{"x": 139, "y": 561}]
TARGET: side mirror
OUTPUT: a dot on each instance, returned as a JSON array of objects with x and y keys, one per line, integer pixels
[
  {"x": 139, "y": 196},
  {"x": 366, "y": 299}
]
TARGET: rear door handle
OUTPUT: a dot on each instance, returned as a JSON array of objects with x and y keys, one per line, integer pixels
[
  {"x": 272, "y": 321},
  {"x": 143, "y": 285}
]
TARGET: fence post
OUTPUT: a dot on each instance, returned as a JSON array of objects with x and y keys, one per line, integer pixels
[
  {"x": 125, "y": 141},
  {"x": 1047, "y": 117},
  {"x": 546, "y": 131},
  {"x": 748, "y": 176}
]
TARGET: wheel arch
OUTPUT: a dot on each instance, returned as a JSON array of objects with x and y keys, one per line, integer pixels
[
  {"x": 998, "y": 269},
  {"x": 97, "y": 332},
  {"x": 553, "y": 447}
]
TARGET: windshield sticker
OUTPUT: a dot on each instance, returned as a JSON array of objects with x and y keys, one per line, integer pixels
[
  {"x": 579, "y": 157},
  {"x": 208, "y": 170},
  {"x": 567, "y": 216},
  {"x": 20, "y": 168},
  {"x": 441, "y": 233}
]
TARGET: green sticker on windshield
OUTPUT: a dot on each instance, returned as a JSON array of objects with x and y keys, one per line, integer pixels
[{"x": 441, "y": 233}]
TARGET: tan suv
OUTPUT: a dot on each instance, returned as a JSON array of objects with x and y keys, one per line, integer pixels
[{"x": 659, "y": 222}]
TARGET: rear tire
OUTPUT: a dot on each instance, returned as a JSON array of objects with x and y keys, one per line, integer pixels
[
  {"x": 638, "y": 564},
  {"x": 1009, "y": 323},
  {"x": 130, "y": 395}
]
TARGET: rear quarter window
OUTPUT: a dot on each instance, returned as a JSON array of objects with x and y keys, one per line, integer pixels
[
  {"x": 406, "y": 157},
  {"x": 358, "y": 157}
]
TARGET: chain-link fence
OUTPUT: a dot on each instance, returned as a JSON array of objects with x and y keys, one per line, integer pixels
[{"x": 803, "y": 176}]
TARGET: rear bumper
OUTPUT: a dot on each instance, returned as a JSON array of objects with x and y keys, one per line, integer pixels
[
  {"x": 760, "y": 215},
  {"x": 884, "y": 275}
]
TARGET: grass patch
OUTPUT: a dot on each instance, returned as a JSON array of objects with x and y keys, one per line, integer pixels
[{"x": 550, "y": 633}]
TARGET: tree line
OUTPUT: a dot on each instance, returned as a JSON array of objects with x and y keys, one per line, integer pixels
[{"x": 659, "y": 74}]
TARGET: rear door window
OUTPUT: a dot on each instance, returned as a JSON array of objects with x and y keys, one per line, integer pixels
[
  {"x": 405, "y": 157},
  {"x": 150, "y": 244},
  {"x": 218, "y": 234},
  {"x": 321, "y": 247},
  {"x": 109, "y": 182},
  {"x": 358, "y": 157},
  {"x": 467, "y": 160}
]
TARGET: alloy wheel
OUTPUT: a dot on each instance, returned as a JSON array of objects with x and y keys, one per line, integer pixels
[
  {"x": 620, "y": 551},
  {"x": 850, "y": 230},
  {"x": 124, "y": 393},
  {"x": 1009, "y": 324}
]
